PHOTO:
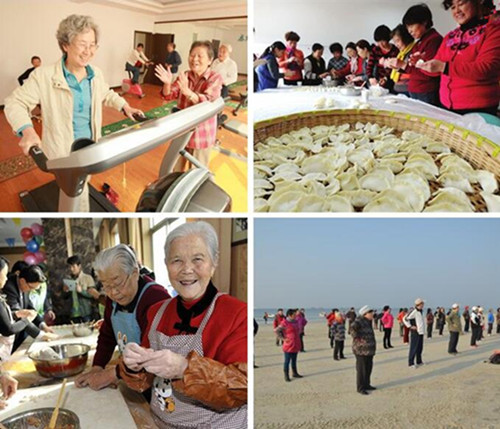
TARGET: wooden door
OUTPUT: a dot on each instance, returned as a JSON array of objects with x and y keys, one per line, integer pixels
[
  {"x": 158, "y": 54},
  {"x": 216, "y": 45}
]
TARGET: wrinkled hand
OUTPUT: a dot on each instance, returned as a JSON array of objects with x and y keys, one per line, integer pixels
[
  {"x": 322, "y": 75},
  {"x": 415, "y": 57},
  {"x": 432, "y": 66},
  {"x": 394, "y": 63},
  {"x": 49, "y": 336},
  {"x": 98, "y": 378},
  {"x": 134, "y": 356},
  {"x": 65, "y": 288},
  {"x": 93, "y": 293},
  {"x": 373, "y": 81},
  {"x": 28, "y": 314},
  {"x": 164, "y": 75},
  {"x": 51, "y": 315},
  {"x": 30, "y": 138},
  {"x": 48, "y": 329},
  {"x": 129, "y": 112},
  {"x": 9, "y": 385},
  {"x": 79, "y": 288},
  {"x": 166, "y": 364},
  {"x": 184, "y": 84}
]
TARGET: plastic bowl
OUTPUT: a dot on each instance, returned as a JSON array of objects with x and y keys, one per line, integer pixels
[
  {"x": 72, "y": 360},
  {"x": 40, "y": 418}
]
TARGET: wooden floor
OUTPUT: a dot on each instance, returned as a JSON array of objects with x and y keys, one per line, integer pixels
[{"x": 129, "y": 179}]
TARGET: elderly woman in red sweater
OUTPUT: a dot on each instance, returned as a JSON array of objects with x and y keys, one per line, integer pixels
[
  {"x": 468, "y": 60},
  {"x": 290, "y": 331},
  {"x": 194, "y": 351},
  {"x": 292, "y": 62},
  {"x": 197, "y": 85}
]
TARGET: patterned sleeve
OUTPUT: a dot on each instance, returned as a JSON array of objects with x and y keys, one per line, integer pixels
[
  {"x": 174, "y": 92},
  {"x": 213, "y": 89}
]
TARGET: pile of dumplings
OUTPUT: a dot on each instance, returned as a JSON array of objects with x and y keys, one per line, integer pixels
[{"x": 364, "y": 168}]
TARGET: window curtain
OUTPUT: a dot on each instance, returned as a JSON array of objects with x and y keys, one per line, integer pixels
[{"x": 105, "y": 234}]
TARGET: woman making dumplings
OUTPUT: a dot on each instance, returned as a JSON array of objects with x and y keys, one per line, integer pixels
[{"x": 195, "y": 347}]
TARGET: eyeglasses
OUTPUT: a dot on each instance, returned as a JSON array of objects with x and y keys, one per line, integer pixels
[
  {"x": 115, "y": 288},
  {"x": 84, "y": 46}
]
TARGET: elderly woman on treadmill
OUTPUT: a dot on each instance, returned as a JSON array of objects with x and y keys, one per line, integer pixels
[
  {"x": 71, "y": 93},
  {"x": 194, "y": 352}
]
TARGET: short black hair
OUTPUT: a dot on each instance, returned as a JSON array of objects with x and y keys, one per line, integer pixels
[
  {"x": 291, "y": 312},
  {"x": 336, "y": 47},
  {"x": 403, "y": 34},
  {"x": 74, "y": 260},
  {"x": 3, "y": 263},
  {"x": 34, "y": 57},
  {"x": 418, "y": 14},
  {"x": 292, "y": 36},
  {"x": 363, "y": 44},
  {"x": 32, "y": 274},
  {"x": 386, "y": 307},
  {"x": 382, "y": 32},
  {"x": 351, "y": 45},
  {"x": 140, "y": 45},
  {"x": 19, "y": 265},
  {"x": 448, "y": 3},
  {"x": 317, "y": 47}
]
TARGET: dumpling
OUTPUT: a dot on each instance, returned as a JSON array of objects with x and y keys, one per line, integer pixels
[
  {"x": 455, "y": 181},
  {"x": 452, "y": 196},
  {"x": 358, "y": 198},
  {"x": 260, "y": 205},
  {"x": 487, "y": 180},
  {"x": 377, "y": 180},
  {"x": 388, "y": 201},
  {"x": 492, "y": 201},
  {"x": 338, "y": 204}
]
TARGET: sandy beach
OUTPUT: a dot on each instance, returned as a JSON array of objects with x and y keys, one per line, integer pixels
[{"x": 447, "y": 392}]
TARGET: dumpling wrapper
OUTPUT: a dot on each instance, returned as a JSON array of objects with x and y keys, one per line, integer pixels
[
  {"x": 492, "y": 201},
  {"x": 487, "y": 180}
]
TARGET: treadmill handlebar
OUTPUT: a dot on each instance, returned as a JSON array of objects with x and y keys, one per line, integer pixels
[{"x": 39, "y": 157}]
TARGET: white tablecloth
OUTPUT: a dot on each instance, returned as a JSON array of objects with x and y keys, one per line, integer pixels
[{"x": 284, "y": 101}]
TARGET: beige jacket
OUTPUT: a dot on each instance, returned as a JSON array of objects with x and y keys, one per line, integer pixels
[{"x": 48, "y": 87}]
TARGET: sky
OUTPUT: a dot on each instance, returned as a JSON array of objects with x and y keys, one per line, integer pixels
[{"x": 353, "y": 262}]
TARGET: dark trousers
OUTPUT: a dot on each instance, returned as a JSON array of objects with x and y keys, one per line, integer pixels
[
  {"x": 224, "y": 91},
  {"x": 136, "y": 71},
  {"x": 429, "y": 330},
  {"x": 452, "y": 345},
  {"x": 364, "y": 366},
  {"x": 498, "y": 327},
  {"x": 302, "y": 342},
  {"x": 466, "y": 327},
  {"x": 406, "y": 334},
  {"x": 441, "y": 327},
  {"x": 475, "y": 334},
  {"x": 338, "y": 351},
  {"x": 490, "y": 328},
  {"x": 416, "y": 348},
  {"x": 290, "y": 82},
  {"x": 387, "y": 337},
  {"x": 290, "y": 358}
]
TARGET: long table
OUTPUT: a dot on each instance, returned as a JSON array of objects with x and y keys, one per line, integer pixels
[{"x": 120, "y": 408}]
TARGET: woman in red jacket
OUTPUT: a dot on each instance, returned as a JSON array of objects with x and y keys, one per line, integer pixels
[
  {"x": 292, "y": 62},
  {"x": 289, "y": 330},
  {"x": 468, "y": 60}
]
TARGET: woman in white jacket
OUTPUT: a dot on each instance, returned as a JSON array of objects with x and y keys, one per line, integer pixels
[
  {"x": 70, "y": 93},
  {"x": 416, "y": 322}
]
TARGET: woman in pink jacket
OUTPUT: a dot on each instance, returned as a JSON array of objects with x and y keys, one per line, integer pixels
[
  {"x": 289, "y": 331},
  {"x": 387, "y": 321},
  {"x": 302, "y": 322},
  {"x": 468, "y": 60}
]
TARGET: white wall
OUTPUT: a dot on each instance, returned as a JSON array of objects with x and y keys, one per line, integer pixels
[
  {"x": 328, "y": 21},
  {"x": 28, "y": 27},
  {"x": 184, "y": 31}
]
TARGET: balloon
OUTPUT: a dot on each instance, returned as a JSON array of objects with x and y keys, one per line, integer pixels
[
  {"x": 38, "y": 239},
  {"x": 26, "y": 233},
  {"x": 29, "y": 258},
  {"x": 17, "y": 221},
  {"x": 32, "y": 246},
  {"x": 37, "y": 229},
  {"x": 40, "y": 256}
]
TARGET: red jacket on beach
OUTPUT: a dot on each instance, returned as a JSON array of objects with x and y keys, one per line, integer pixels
[
  {"x": 290, "y": 331},
  {"x": 472, "y": 54}
]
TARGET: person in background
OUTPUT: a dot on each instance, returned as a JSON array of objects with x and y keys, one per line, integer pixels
[
  {"x": 498, "y": 320},
  {"x": 71, "y": 93},
  {"x": 267, "y": 70},
  {"x": 454, "y": 328},
  {"x": 338, "y": 63},
  {"x": 330, "y": 318},
  {"x": 351, "y": 317},
  {"x": 278, "y": 318},
  {"x": 406, "y": 329},
  {"x": 468, "y": 61},
  {"x": 404, "y": 42},
  {"x": 377, "y": 73},
  {"x": 482, "y": 322},
  {"x": 414, "y": 320},
  {"x": 387, "y": 321},
  {"x": 429, "y": 318},
  {"x": 135, "y": 61},
  {"x": 255, "y": 330},
  {"x": 197, "y": 85},
  {"x": 475, "y": 325},
  {"x": 314, "y": 66},
  {"x": 35, "y": 62},
  {"x": 491, "y": 320},
  {"x": 289, "y": 331},
  {"x": 226, "y": 67},
  {"x": 173, "y": 60},
  {"x": 466, "y": 316},
  {"x": 265, "y": 317},
  {"x": 292, "y": 62},
  {"x": 84, "y": 295},
  {"x": 338, "y": 334},
  {"x": 302, "y": 322},
  {"x": 129, "y": 295},
  {"x": 354, "y": 67},
  {"x": 441, "y": 319},
  {"x": 364, "y": 51},
  {"x": 8, "y": 385},
  {"x": 16, "y": 289},
  {"x": 364, "y": 347}
]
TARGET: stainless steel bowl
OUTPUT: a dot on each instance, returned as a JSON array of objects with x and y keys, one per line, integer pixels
[
  {"x": 40, "y": 418},
  {"x": 330, "y": 83},
  {"x": 350, "y": 90},
  {"x": 72, "y": 360}
]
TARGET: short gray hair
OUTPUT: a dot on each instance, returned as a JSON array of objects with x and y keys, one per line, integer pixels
[
  {"x": 121, "y": 254},
  {"x": 73, "y": 25},
  {"x": 227, "y": 46},
  {"x": 203, "y": 230}
]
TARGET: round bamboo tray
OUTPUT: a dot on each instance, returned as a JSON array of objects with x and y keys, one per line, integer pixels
[{"x": 479, "y": 151}]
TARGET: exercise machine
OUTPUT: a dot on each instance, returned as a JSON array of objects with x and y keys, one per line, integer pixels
[
  {"x": 128, "y": 87},
  {"x": 192, "y": 191}
]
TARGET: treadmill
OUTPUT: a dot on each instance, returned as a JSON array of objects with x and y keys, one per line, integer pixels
[{"x": 192, "y": 191}]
